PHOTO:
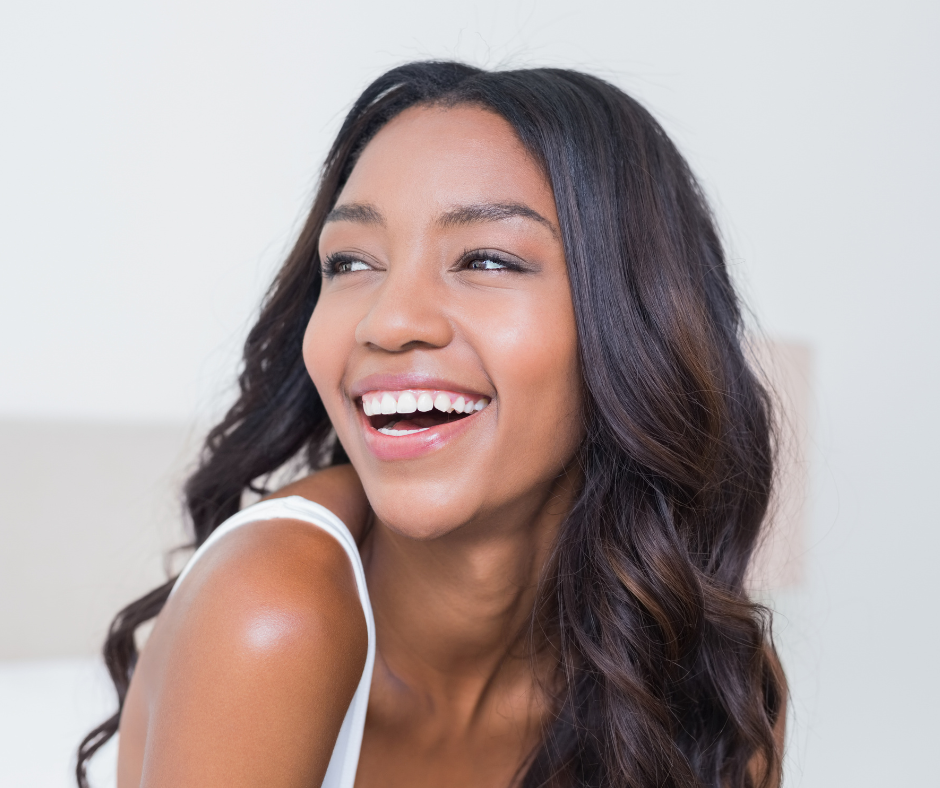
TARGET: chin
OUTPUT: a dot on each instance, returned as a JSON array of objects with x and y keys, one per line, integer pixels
[{"x": 421, "y": 510}]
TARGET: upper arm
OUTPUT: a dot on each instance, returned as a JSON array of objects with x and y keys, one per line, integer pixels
[{"x": 247, "y": 677}]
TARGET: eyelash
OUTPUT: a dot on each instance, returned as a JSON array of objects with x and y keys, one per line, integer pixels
[
  {"x": 330, "y": 265},
  {"x": 481, "y": 255}
]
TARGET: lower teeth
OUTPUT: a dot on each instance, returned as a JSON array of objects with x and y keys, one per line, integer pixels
[{"x": 390, "y": 431}]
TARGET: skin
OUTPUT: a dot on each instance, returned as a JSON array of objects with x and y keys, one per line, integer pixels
[
  {"x": 456, "y": 537},
  {"x": 210, "y": 699},
  {"x": 451, "y": 565}
]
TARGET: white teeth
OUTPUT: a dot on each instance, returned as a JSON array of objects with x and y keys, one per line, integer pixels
[
  {"x": 390, "y": 402},
  {"x": 390, "y": 431},
  {"x": 425, "y": 402},
  {"x": 407, "y": 403}
]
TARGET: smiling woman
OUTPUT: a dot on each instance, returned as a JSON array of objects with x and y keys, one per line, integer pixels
[
  {"x": 445, "y": 281},
  {"x": 507, "y": 346}
]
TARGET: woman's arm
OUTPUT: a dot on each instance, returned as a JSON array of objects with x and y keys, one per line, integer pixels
[{"x": 251, "y": 666}]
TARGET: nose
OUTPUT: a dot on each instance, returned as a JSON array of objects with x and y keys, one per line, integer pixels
[{"x": 408, "y": 312}]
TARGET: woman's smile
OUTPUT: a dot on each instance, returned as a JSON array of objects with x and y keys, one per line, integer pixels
[{"x": 414, "y": 417}]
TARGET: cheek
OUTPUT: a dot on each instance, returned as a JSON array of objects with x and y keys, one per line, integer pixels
[
  {"x": 324, "y": 356},
  {"x": 540, "y": 385}
]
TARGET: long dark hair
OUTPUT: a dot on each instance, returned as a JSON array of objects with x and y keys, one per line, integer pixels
[{"x": 666, "y": 672}]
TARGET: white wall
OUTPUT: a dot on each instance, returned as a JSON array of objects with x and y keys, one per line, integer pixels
[{"x": 156, "y": 157}]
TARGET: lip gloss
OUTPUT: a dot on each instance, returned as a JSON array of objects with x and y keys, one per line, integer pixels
[{"x": 407, "y": 447}]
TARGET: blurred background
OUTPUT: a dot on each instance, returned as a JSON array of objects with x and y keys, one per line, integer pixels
[{"x": 156, "y": 159}]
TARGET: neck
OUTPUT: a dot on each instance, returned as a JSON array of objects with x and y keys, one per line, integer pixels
[{"x": 451, "y": 612}]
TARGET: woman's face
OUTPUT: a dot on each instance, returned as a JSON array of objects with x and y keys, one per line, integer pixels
[{"x": 443, "y": 344}]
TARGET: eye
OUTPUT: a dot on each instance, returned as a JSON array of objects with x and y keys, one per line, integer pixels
[
  {"x": 343, "y": 264},
  {"x": 486, "y": 264},
  {"x": 486, "y": 260},
  {"x": 348, "y": 266}
]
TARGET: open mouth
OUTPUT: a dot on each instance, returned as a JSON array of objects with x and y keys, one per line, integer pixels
[{"x": 398, "y": 413}]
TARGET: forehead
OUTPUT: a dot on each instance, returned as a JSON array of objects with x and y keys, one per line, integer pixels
[{"x": 433, "y": 158}]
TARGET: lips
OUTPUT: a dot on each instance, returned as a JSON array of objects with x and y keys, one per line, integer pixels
[{"x": 404, "y": 423}]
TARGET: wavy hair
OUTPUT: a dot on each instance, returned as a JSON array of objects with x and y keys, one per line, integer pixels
[{"x": 666, "y": 674}]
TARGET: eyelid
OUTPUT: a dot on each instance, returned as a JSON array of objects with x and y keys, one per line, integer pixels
[
  {"x": 330, "y": 262},
  {"x": 508, "y": 261}
]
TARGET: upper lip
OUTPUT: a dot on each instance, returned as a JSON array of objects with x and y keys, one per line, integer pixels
[{"x": 410, "y": 380}]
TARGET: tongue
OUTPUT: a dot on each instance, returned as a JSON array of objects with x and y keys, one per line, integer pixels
[
  {"x": 405, "y": 424},
  {"x": 421, "y": 421}
]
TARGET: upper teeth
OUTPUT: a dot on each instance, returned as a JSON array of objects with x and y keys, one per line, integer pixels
[{"x": 388, "y": 402}]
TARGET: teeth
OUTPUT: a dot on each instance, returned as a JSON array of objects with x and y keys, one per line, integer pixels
[
  {"x": 391, "y": 431},
  {"x": 390, "y": 402},
  {"x": 407, "y": 403}
]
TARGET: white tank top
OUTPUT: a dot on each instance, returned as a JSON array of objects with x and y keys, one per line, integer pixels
[{"x": 341, "y": 772}]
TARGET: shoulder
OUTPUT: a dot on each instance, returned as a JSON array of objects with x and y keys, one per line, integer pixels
[
  {"x": 259, "y": 650},
  {"x": 271, "y": 586}
]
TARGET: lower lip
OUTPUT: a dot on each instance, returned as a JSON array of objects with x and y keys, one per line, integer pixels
[{"x": 409, "y": 447}]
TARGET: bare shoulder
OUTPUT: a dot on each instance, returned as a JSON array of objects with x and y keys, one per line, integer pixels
[
  {"x": 280, "y": 588},
  {"x": 271, "y": 586},
  {"x": 259, "y": 651}
]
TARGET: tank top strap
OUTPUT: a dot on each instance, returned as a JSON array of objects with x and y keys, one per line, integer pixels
[{"x": 341, "y": 772}]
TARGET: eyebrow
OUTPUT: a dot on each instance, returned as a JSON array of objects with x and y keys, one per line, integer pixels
[
  {"x": 359, "y": 212},
  {"x": 364, "y": 213},
  {"x": 492, "y": 212}
]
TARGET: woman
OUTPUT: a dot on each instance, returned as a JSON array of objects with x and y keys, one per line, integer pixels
[{"x": 510, "y": 312}]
